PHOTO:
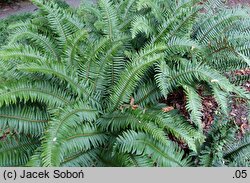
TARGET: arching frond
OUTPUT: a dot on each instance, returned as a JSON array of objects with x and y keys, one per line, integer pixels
[
  {"x": 42, "y": 41},
  {"x": 131, "y": 75},
  {"x": 27, "y": 120},
  {"x": 141, "y": 25},
  {"x": 43, "y": 92},
  {"x": 140, "y": 143},
  {"x": 55, "y": 69},
  {"x": 24, "y": 53},
  {"x": 66, "y": 118},
  {"x": 147, "y": 94},
  {"x": 81, "y": 158},
  {"x": 239, "y": 150},
  {"x": 110, "y": 18},
  {"x": 194, "y": 105},
  {"x": 16, "y": 150},
  {"x": 72, "y": 46}
]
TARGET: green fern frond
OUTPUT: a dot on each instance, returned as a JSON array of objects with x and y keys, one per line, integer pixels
[
  {"x": 212, "y": 151},
  {"x": 213, "y": 27},
  {"x": 134, "y": 120},
  {"x": 239, "y": 150},
  {"x": 43, "y": 92},
  {"x": 16, "y": 150},
  {"x": 140, "y": 143},
  {"x": 110, "y": 18},
  {"x": 72, "y": 46},
  {"x": 30, "y": 120},
  {"x": 88, "y": 158},
  {"x": 177, "y": 28},
  {"x": 147, "y": 94},
  {"x": 181, "y": 129},
  {"x": 131, "y": 75},
  {"x": 155, "y": 6},
  {"x": 59, "y": 70},
  {"x": 84, "y": 87},
  {"x": 83, "y": 137},
  {"x": 222, "y": 99},
  {"x": 141, "y": 25},
  {"x": 125, "y": 160},
  {"x": 66, "y": 118},
  {"x": 194, "y": 105},
  {"x": 57, "y": 19},
  {"x": 44, "y": 42},
  {"x": 22, "y": 53}
]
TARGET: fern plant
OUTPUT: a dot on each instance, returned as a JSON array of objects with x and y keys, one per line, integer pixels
[
  {"x": 83, "y": 87},
  {"x": 222, "y": 148}
]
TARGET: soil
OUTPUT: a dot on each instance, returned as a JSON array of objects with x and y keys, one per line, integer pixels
[
  {"x": 237, "y": 2},
  {"x": 23, "y": 6},
  {"x": 239, "y": 111}
]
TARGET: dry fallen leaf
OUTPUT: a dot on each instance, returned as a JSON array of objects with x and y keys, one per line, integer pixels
[
  {"x": 132, "y": 101},
  {"x": 232, "y": 114},
  {"x": 167, "y": 109},
  {"x": 243, "y": 127},
  {"x": 134, "y": 107}
]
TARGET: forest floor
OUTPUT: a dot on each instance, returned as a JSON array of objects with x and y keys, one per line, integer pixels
[
  {"x": 25, "y": 6},
  {"x": 236, "y": 2},
  {"x": 238, "y": 110}
]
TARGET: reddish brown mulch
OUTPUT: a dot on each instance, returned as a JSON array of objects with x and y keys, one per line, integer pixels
[
  {"x": 209, "y": 109},
  {"x": 239, "y": 111},
  {"x": 177, "y": 100},
  {"x": 237, "y": 2}
]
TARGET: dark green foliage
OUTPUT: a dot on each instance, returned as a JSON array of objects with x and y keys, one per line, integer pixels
[
  {"x": 16, "y": 150},
  {"x": 237, "y": 153},
  {"x": 222, "y": 148},
  {"x": 93, "y": 81},
  {"x": 5, "y": 31}
]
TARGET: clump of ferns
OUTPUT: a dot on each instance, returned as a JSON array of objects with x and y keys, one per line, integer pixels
[
  {"x": 85, "y": 71},
  {"x": 222, "y": 147}
]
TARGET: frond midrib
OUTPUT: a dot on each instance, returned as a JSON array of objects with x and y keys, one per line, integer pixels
[
  {"x": 37, "y": 91},
  {"x": 23, "y": 119}
]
